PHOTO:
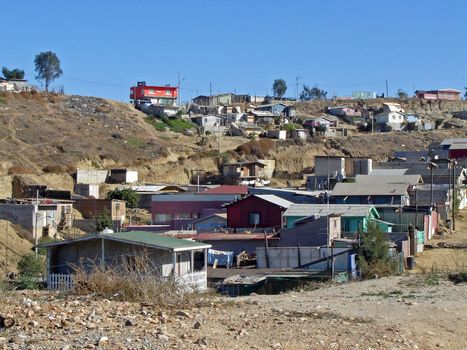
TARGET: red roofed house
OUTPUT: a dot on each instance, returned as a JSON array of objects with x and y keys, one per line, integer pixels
[
  {"x": 442, "y": 94},
  {"x": 163, "y": 97},
  {"x": 257, "y": 212}
]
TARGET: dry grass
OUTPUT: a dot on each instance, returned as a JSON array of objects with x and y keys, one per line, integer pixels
[{"x": 139, "y": 281}]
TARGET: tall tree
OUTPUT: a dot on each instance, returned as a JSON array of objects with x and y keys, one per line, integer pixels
[
  {"x": 13, "y": 74},
  {"x": 313, "y": 93},
  {"x": 47, "y": 67},
  {"x": 279, "y": 87}
]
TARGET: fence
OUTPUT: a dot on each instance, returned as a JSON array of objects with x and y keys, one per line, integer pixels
[
  {"x": 194, "y": 281},
  {"x": 60, "y": 281}
]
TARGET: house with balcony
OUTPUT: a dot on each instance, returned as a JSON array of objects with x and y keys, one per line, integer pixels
[{"x": 155, "y": 98}]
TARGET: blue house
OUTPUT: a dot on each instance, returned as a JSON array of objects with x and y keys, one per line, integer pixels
[
  {"x": 277, "y": 109},
  {"x": 353, "y": 217}
]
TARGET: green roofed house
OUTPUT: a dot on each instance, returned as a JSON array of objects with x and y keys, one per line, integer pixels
[
  {"x": 353, "y": 216},
  {"x": 185, "y": 260}
]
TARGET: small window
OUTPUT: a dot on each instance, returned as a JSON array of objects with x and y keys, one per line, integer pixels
[
  {"x": 152, "y": 91},
  {"x": 168, "y": 92},
  {"x": 254, "y": 218},
  {"x": 162, "y": 217}
]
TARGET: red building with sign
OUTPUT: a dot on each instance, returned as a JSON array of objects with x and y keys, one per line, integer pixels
[{"x": 163, "y": 95}]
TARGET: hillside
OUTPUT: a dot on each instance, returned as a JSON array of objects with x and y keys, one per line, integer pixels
[
  {"x": 429, "y": 109},
  {"x": 45, "y": 137}
]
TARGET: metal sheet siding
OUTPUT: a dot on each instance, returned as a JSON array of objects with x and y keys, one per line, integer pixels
[{"x": 270, "y": 214}]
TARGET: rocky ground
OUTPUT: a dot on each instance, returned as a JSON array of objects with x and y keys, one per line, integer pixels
[{"x": 405, "y": 312}]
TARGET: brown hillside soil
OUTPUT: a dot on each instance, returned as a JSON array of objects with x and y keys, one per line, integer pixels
[
  {"x": 55, "y": 134},
  {"x": 407, "y": 312},
  {"x": 13, "y": 245}
]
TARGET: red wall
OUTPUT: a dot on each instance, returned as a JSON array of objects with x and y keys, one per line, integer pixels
[
  {"x": 457, "y": 153},
  {"x": 159, "y": 91},
  {"x": 237, "y": 213}
]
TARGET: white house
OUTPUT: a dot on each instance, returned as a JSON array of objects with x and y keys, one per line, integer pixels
[{"x": 392, "y": 115}]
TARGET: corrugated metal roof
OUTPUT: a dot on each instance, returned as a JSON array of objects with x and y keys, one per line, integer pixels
[
  {"x": 345, "y": 210},
  {"x": 370, "y": 189},
  {"x": 454, "y": 140},
  {"x": 275, "y": 200},
  {"x": 389, "y": 179},
  {"x": 149, "y": 239},
  {"x": 386, "y": 172},
  {"x": 458, "y": 146}
]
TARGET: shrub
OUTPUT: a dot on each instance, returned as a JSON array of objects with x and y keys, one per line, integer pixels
[
  {"x": 132, "y": 280},
  {"x": 128, "y": 195},
  {"x": 374, "y": 257},
  {"x": 103, "y": 221},
  {"x": 31, "y": 269}
]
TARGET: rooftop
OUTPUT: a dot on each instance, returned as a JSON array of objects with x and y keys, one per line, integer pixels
[
  {"x": 232, "y": 237},
  {"x": 370, "y": 189},
  {"x": 386, "y": 172},
  {"x": 345, "y": 210},
  {"x": 390, "y": 179},
  {"x": 226, "y": 189},
  {"x": 147, "y": 239},
  {"x": 274, "y": 199},
  {"x": 451, "y": 141},
  {"x": 458, "y": 146}
]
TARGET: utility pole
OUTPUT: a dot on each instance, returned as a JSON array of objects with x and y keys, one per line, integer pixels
[
  {"x": 178, "y": 86},
  {"x": 36, "y": 210},
  {"x": 210, "y": 89},
  {"x": 6, "y": 244},
  {"x": 453, "y": 212},
  {"x": 387, "y": 89},
  {"x": 219, "y": 134}
]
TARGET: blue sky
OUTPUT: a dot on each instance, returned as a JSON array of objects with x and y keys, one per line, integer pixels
[{"x": 106, "y": 46}]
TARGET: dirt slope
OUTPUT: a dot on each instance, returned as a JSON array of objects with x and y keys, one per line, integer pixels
[
  {"x": 12, "y": 246},
  {"x": 55, "y": 134},
  {"x": 407, "y": 312}
]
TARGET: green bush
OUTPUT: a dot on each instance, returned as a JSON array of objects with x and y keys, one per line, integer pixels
[
  {"x": 128, "y": 195},
  {"x": 31, "y": 270},
  {"x": 374, "y": 258},
  {"x": 103, "y": 221}
]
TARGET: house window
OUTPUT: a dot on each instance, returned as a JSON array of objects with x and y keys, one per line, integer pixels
[
  {"x": 151, "y": 91},
  {"x": 162, "y": 217},
  {"x": 168, "y": 92},
  {"x": 254, "y": 218}
]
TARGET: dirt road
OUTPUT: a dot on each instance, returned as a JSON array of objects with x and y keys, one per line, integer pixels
[{"x": 445, "y": 258}]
